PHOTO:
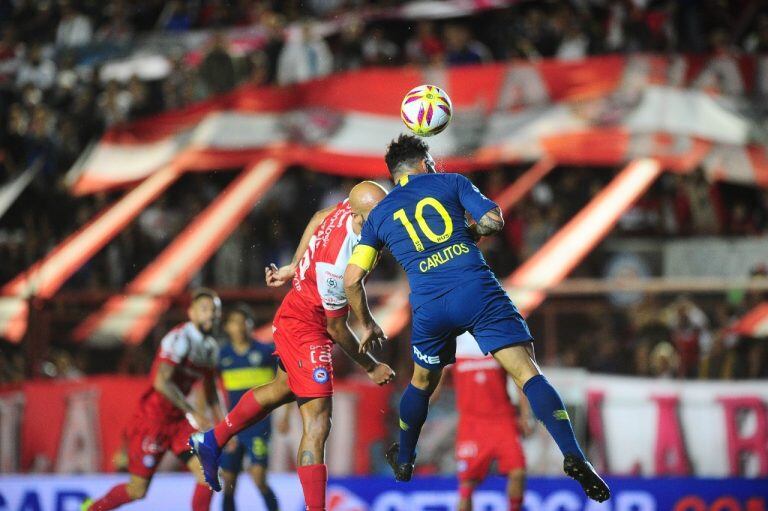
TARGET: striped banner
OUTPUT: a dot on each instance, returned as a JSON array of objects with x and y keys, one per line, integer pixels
[
  {"x": 686, "y": 112},
  {"x": 44, "y": 278},
  {"x": 131, "y": 315}
]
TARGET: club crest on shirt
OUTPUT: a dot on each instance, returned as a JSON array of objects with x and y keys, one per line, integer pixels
[
  {"x": 255, "y": 358},
  {"x": 320, "y": 375}
]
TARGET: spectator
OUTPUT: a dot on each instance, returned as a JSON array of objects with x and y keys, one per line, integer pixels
[
  {"x": 75, "y": 29},
  {"x": 574, "y": 44},
  {"x": 425, "y": 47},
  {"x": 117, "y": 29},
  {"x": 757, "y": 41},
  {"x": 349, "y": 54},
  {"x": 36, "y": 70},
  {"x": 690, "y": 335},
  {"x": 273, "y": 47},
  {"x": 664, "y": 361},
  {"x": 140, "y": 103},
  {"x": 217, "y": 70},
  {"x": 461, "y": 49},
  {"x": 258, "y": 74},
  {"x": 378, "y": 50},
  {"x": 303, "y": 58},
  {"x": 9, "y": 58},
  {"x": 175, "y": 17},
  {"x": 114, "y": 104}
]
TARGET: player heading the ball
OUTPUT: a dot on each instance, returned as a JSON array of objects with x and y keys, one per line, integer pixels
[{"x": 422, "y": 222}]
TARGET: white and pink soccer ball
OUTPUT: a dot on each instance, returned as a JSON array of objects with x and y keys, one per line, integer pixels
[{"x": 426, "y": 110}]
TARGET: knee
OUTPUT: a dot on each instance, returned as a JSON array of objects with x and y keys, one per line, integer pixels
[
  {"x": 318, "y": 427},
  {"x": 137, "y": 490},
  {"x": 425, "y": 380},
  {"x": 517, "y": 476}
]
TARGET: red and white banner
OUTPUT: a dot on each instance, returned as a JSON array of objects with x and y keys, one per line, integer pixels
[
  {"x": 755, "y": 322},
  {"x": 636, "y": 426},
  {"x": 78, "y": 426},
  {"x": 683, "y": 111}
]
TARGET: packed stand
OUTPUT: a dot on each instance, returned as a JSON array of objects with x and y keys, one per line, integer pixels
[{"x": 57, "y": 97}]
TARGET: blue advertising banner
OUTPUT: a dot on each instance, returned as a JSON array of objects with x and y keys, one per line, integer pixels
[{"x": 170, "y": 492}]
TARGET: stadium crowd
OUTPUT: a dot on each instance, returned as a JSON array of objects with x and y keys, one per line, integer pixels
[{"x": 56, "y": 99}]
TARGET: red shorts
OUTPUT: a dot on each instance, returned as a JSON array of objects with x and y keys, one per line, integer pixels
[
  {"x": 304, "y": 349},
  {"x": 150, "y": 438},
  {"x": 481, "y": 441}
]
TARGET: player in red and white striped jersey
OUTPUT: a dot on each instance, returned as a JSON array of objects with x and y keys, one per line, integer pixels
[
  {"x": 312, "y": 316},
  {"x": 163, "y": 419},
  {"x": 488, "y": 428}
]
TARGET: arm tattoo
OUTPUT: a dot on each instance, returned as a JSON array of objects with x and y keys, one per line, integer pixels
[
  {"x": 491, "y": 223},
  {"x": 306, "y": 458}
]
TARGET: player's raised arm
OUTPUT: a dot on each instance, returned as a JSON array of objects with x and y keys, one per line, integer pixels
[
  {"x": 275, "y": 276},
  {"x": 486, "y": 213},
  {"x": 490, "y": 223}
]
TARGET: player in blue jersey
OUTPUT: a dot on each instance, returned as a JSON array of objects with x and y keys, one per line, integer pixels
[
  {"x": 245, "y": 363},
  {"x": 422, "y": 222}
]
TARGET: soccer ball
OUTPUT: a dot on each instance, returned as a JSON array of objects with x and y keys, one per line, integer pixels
[{"x": 426, "y": 110}]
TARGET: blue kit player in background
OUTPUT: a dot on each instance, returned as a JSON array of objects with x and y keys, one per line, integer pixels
[
  {"x": 245, "y": 363},
  {"x": 422, "y": 222}
]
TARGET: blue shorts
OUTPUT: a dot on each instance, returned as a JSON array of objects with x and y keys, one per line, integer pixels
[
  {"x": 254, "y": 443},
  {"x": 480, "y": 307}
]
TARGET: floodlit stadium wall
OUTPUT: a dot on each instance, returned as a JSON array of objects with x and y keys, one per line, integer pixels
[{"x": 173, "y": 491}]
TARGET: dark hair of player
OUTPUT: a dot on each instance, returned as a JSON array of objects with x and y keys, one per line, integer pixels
[
  {"x": 407, "y": 151},
  {"x": 204, "y": 292},
  {"x": 244, "y": 310}
]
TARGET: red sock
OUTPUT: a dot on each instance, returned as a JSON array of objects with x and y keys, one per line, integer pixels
[
  {"x": 515, "y": 503},
  {"x": 246, "y": 412},
  {"x": 116, "y": 497},
  {"x": 314, "y": 480},
  {"x": 201, "y": 499}
]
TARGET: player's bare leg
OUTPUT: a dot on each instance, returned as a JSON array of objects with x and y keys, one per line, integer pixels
[
  {"x": 228, "y": 487},
  {"x": 414, "y": 405},
  {"x": 313, "y": 473},
  {"x": 201, "y": 498},
  {"x": 259, "y": 476},
  {"x": 466, "y": 489},
  {"x": 516, "y": 489},
  {"x": 519, "y": 361},
  {"x": 252, "y": 407},
  {"x": 134, "y": 489}
]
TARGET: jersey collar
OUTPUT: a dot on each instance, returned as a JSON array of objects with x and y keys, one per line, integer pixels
[
  {"x": 351, "y": 230},
  {"x": 403, "y": 180}
]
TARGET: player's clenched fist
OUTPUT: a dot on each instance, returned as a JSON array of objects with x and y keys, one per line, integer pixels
[
  {"x": 276, "y": 277},
  {"x": 373, "y": 337},
  {"x": 381, "y": 374}
]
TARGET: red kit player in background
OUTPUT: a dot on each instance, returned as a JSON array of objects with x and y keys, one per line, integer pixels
[
  {"x": 311, "y": 318},
  {"x": 187, "y": 354},
  {"x": 488, "y": 425}
]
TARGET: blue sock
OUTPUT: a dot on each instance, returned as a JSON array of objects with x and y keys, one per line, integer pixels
[
  {"x": 550, "y": 410},
  {"x": 228, "y": 503},
  {"x": 413, "y": 412},
  {"x": 269, "y": 499}
]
